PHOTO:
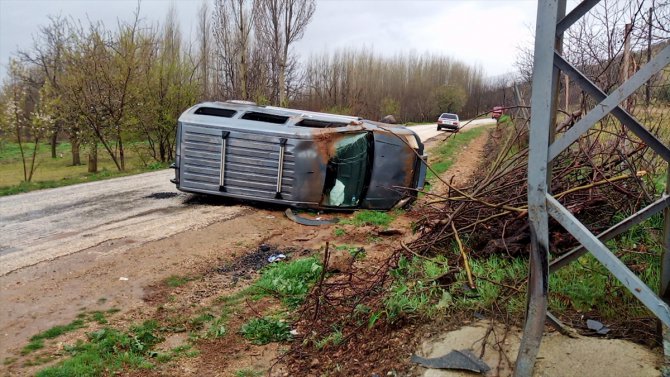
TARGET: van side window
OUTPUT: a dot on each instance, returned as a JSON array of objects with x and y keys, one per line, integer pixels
[
  {"x": 215, "y": 111},
  {"x": 263, "y": 117},
  {"x": 319, "y": 123}
]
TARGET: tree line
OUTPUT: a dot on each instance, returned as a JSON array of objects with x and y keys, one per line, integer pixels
[{"x": 104, "y": 88}]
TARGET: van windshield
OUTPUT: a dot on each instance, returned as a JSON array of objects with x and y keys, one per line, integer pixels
[{"x": 347, "y": 171}]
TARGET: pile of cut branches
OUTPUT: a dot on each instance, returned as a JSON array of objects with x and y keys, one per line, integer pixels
[{"x": 599, "y": 177}]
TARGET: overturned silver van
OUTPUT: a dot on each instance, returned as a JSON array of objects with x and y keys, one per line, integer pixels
[{"x": 298, "y": 158}]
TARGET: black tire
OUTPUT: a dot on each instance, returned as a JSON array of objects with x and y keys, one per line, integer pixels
[{"x": 439, "y": 128}]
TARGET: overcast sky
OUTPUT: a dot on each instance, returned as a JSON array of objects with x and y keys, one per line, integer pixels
[{"x": 487, "y": 33}]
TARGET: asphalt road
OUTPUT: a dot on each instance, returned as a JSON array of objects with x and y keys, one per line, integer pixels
[
  {"x": 109, "y": 216},
  {"x": 104, "y": 216}
]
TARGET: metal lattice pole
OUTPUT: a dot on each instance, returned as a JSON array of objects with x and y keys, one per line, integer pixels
[{"x": 547, "y": 65}]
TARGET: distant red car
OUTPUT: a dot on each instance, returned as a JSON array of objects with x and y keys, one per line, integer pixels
[{"x": 497, "y": 112}]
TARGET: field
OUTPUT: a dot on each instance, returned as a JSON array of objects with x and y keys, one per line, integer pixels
[{"x": 59, "y": 171}]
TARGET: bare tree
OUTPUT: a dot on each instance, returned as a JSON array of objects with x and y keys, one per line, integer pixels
[
  {"x": 280, "y": 23},
  {"x": 204, "y": 40},
  {"x": 232, "y": 24}
]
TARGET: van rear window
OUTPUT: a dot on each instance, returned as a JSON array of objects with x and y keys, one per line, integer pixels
[
  {"x": 216, "y": 112},
  {"x": 263, "y": 117}
]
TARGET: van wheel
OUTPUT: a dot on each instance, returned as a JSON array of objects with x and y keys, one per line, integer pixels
[{"x": 439, "y": 128}]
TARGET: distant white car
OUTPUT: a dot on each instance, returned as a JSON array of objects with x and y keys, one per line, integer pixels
[{"x": 448, "y": 121}]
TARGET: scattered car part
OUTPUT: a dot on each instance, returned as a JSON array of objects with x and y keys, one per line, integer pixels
[
  {"x": 309, "y": 222},
  {"x": 597, "y": 326},
  {"x": 276, "y": 258},
  {"x": 299, "y": 158},
  {"x": 463, "y": 360}
]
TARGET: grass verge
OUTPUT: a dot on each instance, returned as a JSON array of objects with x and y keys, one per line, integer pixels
[{"x": 442, "y": 157}]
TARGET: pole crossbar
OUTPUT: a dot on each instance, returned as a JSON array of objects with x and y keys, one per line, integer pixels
[
  {"x": 628, "y": 278},
  {"x": 611, "y": 102},
  {"x": 624, "y": 117},
  {"x": 625, "y": 225},
  {"x": 580, "y": 10}
]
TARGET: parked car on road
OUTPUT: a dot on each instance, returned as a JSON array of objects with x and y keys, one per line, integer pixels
[
  {"x": 497, "y": 112},
  {"x": 298, "y": 158},
  {"x": 448, "y": 121}
]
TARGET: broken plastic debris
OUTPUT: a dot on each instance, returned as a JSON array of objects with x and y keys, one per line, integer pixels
[
  {"x": 463, "y": 360},
  {"x": 276, "y": 257},
  {"x": 123, "y": 278},
  {"x": 303, "y": 221},
  {"x": 294, "y": 332},
  {"x": 597, "y": 326}
]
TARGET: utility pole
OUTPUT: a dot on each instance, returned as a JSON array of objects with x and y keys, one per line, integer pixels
[
  {"x": 566, "y": 81},
  {"x": 647, "y": 89}
]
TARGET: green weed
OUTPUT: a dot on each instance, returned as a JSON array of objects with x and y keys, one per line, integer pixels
[
  {"x": 175, "y": 281},
  {"x": 290, "y": 282},
  {"x": 335, "y": 338},
  {"x": 414, "y": 292},
  {"x": 376, "y": 218},
  {"x": 199, "y": 321},
  {"x": 39, "y": 360},
  {"x": 59, "y": 330},
  {"x": 219, "y": 326},
  {"x": 339, "y": 232},
  {"x": 99, "y": 317},
  {"x": 34, "y": 345},
  {"x": 106, "y": 351},
  {"x": 498, "y": 272},
  {"x": 266, "y": 330}
]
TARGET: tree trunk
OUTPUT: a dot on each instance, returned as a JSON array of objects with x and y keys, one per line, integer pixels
[
  {"x": 76, "y": 158},
  {"x": 122, "y": 158},
  {"x": 162, "y": 151},
  {"x": 282, "y": 84},
  {"x": 243, "y": 74},
  {"x": 54, "y": 140},
  {"x": 93, "y": 159}
]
